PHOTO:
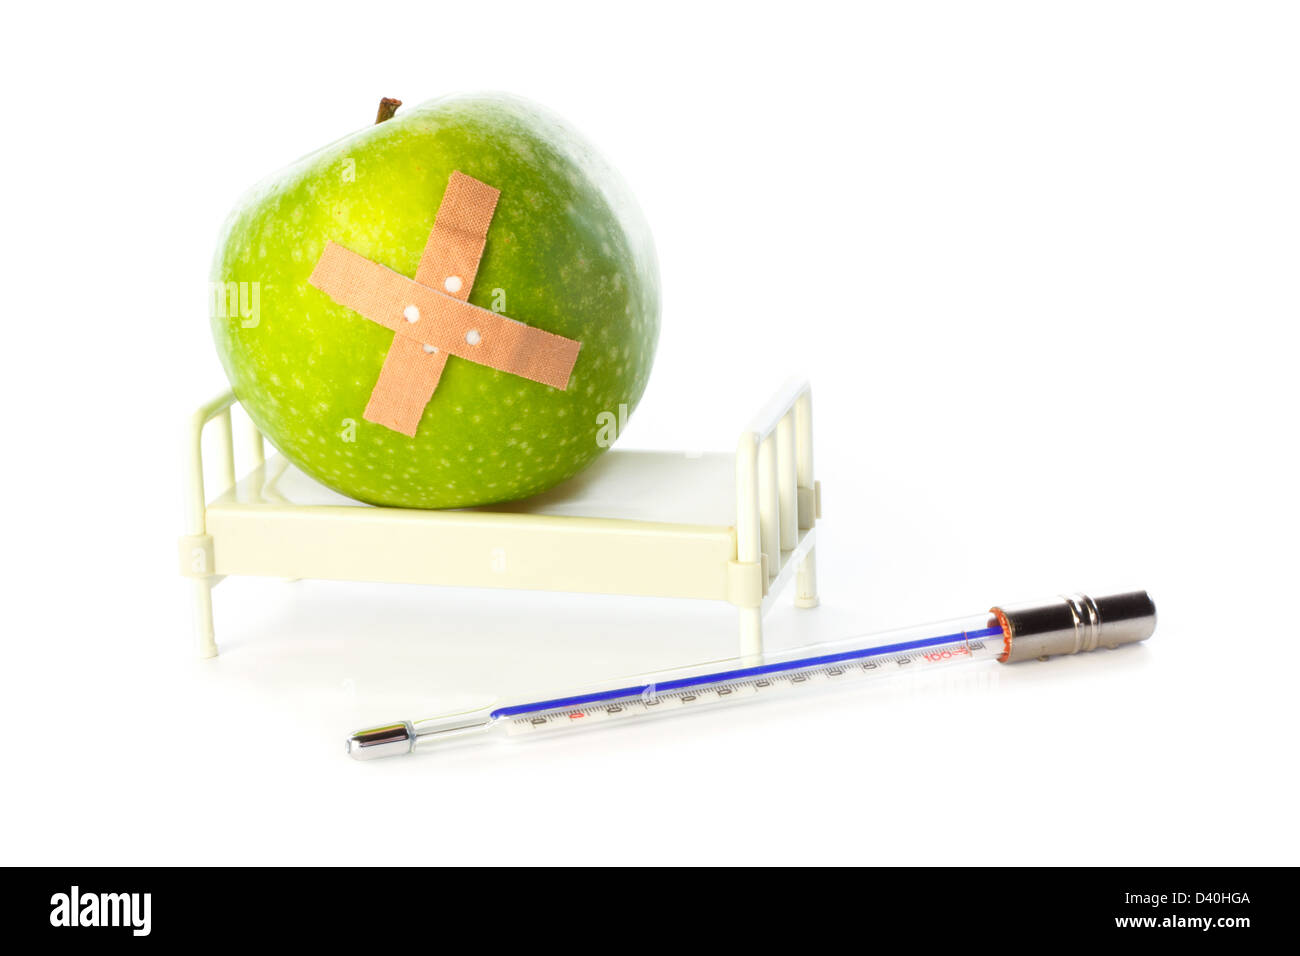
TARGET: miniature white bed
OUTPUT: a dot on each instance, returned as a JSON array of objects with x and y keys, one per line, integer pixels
[{"x": 734, "y": 528}]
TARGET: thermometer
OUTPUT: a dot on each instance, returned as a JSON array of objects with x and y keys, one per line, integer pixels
[{"x": 1007, "y": 634}]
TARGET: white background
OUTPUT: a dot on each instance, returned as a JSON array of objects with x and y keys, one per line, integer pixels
[{"x": 1039, "y": 262}]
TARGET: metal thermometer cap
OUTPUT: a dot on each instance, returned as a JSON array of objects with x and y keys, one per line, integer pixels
[{"x": 1069, "y": 625}]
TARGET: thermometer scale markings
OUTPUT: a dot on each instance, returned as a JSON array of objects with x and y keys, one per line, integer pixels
[{"x": 649, "y": 699}]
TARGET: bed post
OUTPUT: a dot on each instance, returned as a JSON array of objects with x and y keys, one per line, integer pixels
[
  {"x": 748, "y": 544},
  {"x": 203, "y": 617},
  {"x": 809, "y": 495}
]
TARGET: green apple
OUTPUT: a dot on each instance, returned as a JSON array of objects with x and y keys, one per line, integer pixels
[{"x": 568, "y": 251}]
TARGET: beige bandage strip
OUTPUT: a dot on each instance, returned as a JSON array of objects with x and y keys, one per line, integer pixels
[
  {"x": 410, "y": 374},
  {"x": 464, "y": 330},
  {"x": 426, "y": 318}
]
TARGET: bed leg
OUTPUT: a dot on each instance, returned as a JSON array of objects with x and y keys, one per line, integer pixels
[
  {"x": 805, "y": 582},
  {"x": 203, "y": 617},
  {"x": 751, "y": 633}
]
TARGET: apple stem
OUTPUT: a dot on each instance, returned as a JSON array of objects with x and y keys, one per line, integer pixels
[{"x": 387, "y": 107}]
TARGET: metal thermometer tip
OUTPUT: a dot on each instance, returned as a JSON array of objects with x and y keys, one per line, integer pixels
[
  {"x": 386, "y": 741},
  {"x": 405, "y": 736}
]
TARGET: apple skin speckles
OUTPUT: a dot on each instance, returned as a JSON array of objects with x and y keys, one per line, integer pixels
[{"x": 568, "y": 251}]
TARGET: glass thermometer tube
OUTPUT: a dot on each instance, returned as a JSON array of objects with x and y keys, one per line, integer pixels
[{"x": 1007, "y": 634}]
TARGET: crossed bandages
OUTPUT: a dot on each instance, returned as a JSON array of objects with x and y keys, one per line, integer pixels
[{"x": 431, "y": 316}]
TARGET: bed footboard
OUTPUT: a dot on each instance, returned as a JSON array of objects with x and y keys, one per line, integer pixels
[
  {"x": 778, "y": 502},
  {"x": 196, "y": 551}
]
